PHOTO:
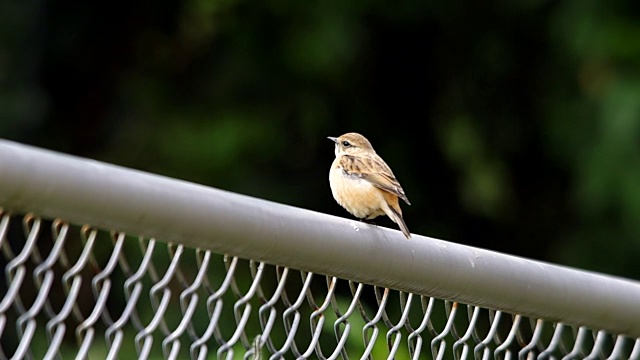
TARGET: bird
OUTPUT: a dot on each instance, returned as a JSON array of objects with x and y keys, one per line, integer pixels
[{"x": 363, "y": 184}]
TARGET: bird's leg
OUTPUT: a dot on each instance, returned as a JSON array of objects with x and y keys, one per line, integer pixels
[{"x": 369, "y": 221}]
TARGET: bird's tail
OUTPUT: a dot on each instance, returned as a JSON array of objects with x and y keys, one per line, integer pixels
[{"x": 396, "y": 216}]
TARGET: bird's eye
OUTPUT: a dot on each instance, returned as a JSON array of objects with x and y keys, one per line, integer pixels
[{"x": 346, "y": 143}]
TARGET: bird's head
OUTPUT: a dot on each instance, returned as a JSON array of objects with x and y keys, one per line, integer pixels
[{"x": 352, "y": 144}]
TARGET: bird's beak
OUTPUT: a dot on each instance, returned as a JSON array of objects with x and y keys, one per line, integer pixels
[{"x": 335, "y": 140}]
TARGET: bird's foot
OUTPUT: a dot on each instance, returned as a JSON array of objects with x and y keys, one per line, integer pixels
[
  {"x": 354, "y": 225},
  {"x": 369, "y": 221}
]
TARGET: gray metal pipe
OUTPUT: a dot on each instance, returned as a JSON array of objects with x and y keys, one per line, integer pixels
[{"x": 110, "y": 197}]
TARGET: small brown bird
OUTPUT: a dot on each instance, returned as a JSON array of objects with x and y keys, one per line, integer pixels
[{"x": 363, "y": 183}]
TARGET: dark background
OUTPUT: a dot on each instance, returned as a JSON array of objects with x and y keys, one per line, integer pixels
[{"x": 512, "y": 125}]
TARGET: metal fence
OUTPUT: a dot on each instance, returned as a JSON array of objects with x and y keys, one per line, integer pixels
[{"x": 85, "y": 277}]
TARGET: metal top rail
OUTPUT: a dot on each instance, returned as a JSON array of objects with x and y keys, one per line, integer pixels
[{"x": 112, "y": 197}]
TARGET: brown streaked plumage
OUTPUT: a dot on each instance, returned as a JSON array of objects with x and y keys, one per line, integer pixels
[{"x": 363, "y": 184}]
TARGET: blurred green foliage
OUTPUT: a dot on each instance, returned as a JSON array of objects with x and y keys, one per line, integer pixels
[{"x": 512, "y": 125}]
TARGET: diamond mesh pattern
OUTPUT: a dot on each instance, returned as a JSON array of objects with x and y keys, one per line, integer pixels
[{"x": 76, "y": 291}]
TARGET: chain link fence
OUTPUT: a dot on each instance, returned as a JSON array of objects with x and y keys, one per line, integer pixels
[
  {"x": 80, "y": 292},
  {"x": 75, "y": 288}
]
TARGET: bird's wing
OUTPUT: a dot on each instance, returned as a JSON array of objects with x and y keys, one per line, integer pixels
[{"x": 373, "y": 169}]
